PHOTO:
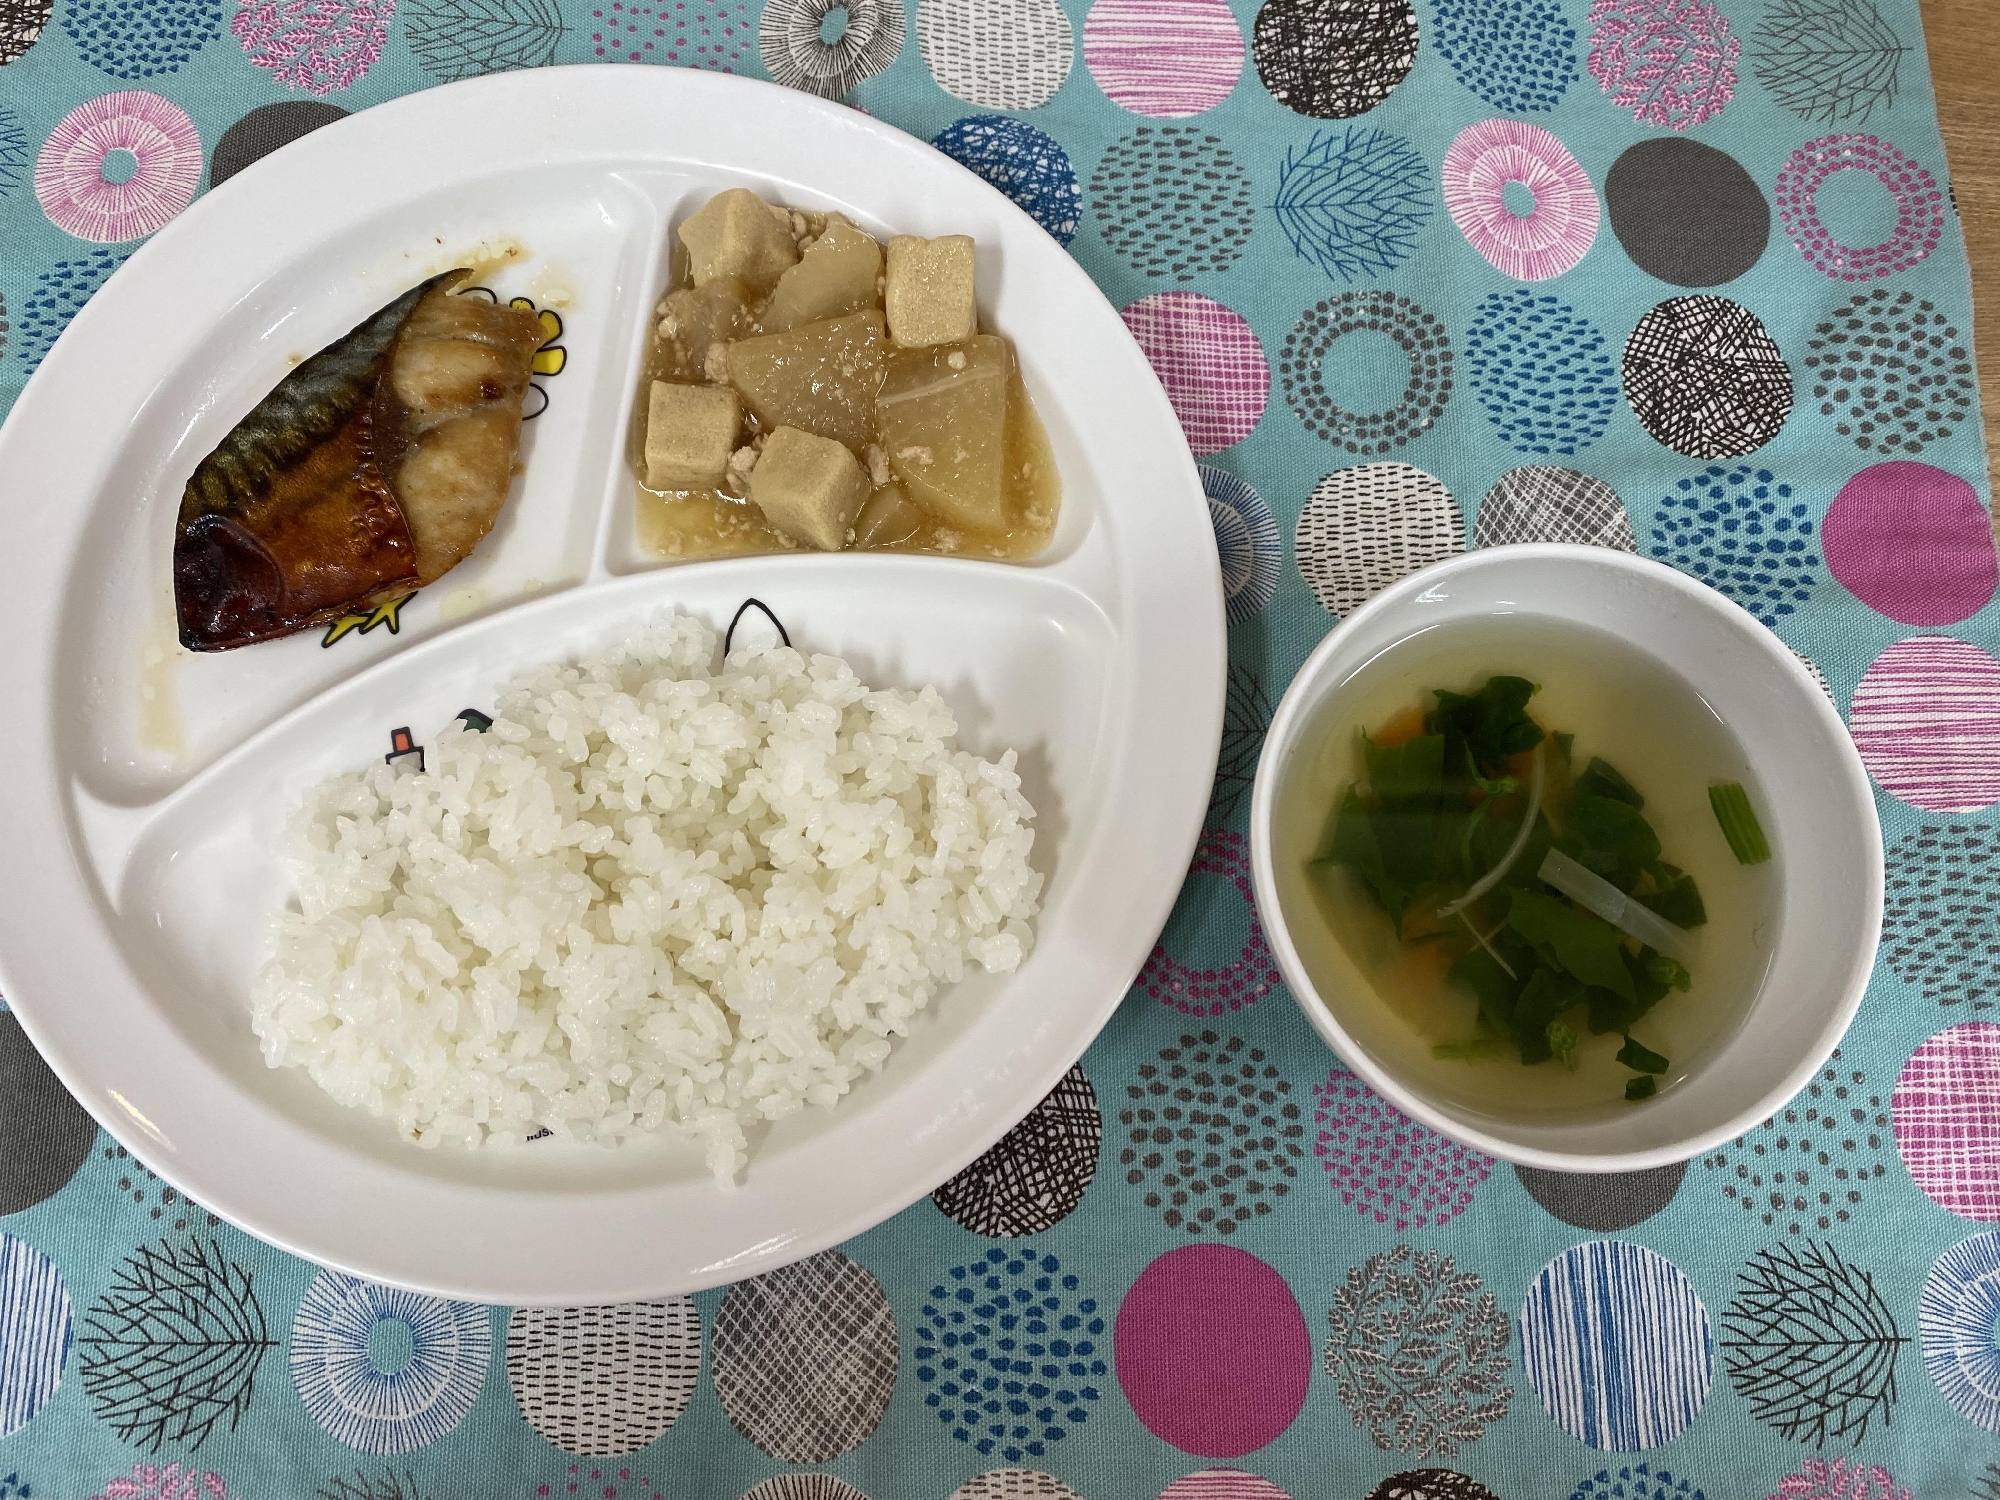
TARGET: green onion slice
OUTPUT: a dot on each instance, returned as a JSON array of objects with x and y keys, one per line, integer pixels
[{"x": 1739, "y": 823}]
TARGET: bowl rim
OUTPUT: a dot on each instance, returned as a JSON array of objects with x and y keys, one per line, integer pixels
[{"x": 1297, "y": 702}]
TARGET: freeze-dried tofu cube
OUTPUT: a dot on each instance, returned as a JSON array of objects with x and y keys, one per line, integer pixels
[
  {"x": 736, "y": 234},
  {"x": 690, "y": 433},
  {"x": 836, "y": 275},
  {"x": 929, "y": 290},
  {"x": 943, "y": 415},
  {"x": 808, "y": 487},
  {"x": 822, "y": 377}
]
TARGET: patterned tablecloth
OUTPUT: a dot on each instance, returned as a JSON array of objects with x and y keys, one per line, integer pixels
[{"x": 1678, "y": 276}]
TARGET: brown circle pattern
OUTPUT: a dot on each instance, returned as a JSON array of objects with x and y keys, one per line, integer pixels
[
  {"x": 1037, "y": 1174},
  {"x": 1893, "y": 372},
  {"x": 1941, "y": 918},
  {"x": 1172, "y": 201},
  {"x": 1808, "y": 1167},
  {"x": 805, "y": 1358},
  {"x": 598, "y": 1381},
  {"x": 1705, "y": 378},
  {"x": 1333, "y": 59},
  {"x": 1213, "y": 1136},
  {"x": 1419, "y": 335}
]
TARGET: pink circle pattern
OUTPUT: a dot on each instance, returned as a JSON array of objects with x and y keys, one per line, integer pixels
[
  {"x": 1947, "y": 1113},
  {"x": 69, "y": 172},
  {"x": 1912, "y": 542},
  {"x": 1212, "y": 1351},
  {"x": 1222, "y": 1484},
  {"x": 717, "y": 37},
  {"x": 1215, "y": 992},
  {"x": 1385, "y": 1165},
  {"x": 1926, "y": 719},
  {"x": 1542, "y": 243},
  {"x": 1166, "y": 59},
  {"x": 1919, "y": 207},
  {"x": 1671, "y": 62},
  {"x": 1210, "y": 362},
  {"x": 1839, "y": 1479},
  {"x": 164, "y": 1482},
  {"x": 320, "y": 46}
]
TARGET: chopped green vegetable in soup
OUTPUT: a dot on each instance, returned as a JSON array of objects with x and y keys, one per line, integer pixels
[{"x": 1540, "y": 883}]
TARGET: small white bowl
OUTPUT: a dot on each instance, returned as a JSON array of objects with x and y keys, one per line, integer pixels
[{"x": 1817, "y": 809}]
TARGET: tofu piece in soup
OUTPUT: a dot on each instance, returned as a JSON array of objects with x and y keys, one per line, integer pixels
[
  {"x": 690, "y": 433},
  {"x": 822, "y": 377},
  {"x": 738, "y": 234},
  {"x": 928, "y": 290},
  {"x": 943, "y": 415},
  {"x": 836, "y": 275},
  {"x": 809, "y": 487}
]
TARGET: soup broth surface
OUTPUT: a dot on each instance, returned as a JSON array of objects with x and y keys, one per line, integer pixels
[{"x": 1620, "y": 704}]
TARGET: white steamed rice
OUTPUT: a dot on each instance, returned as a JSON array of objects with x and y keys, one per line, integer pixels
[{"x": 653, "y": 896}]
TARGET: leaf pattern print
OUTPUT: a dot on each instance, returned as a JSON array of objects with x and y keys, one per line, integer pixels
[{"x": 1419, "y": 1352}]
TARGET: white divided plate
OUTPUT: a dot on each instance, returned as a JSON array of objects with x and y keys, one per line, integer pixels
[{"x": 146, "y": 783}]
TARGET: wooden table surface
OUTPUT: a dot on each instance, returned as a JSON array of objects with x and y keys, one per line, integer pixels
[{"x": 1965, "y": 68}]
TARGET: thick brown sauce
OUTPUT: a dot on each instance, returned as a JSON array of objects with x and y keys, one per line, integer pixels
[{"x": 684, "y": 525}]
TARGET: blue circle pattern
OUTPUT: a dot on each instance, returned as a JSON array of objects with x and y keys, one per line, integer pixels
[
  {"x": 386, "y": 1411},
  {"x": 1352, "y": 201},
  {"x": 1024, "y": 163},
  {"x": 1740, "y": 532},
  {"x": 35, "y": 1331},
  {"x": 59, "y": 292},
  {"x": 1012, "y": 1352},
  {"x": 1543, "y": 372},
  {"x": 1246, "y": 538},
  {"x": 1617, "y": 1344},
  {"x": 14, "y": 152},
  {"x": 1517, "y": 55},
  {"x": 1638, "y": 1481},
  {"x": 141, "y": 38},
  {"x": 1958, "y": 1318}
]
